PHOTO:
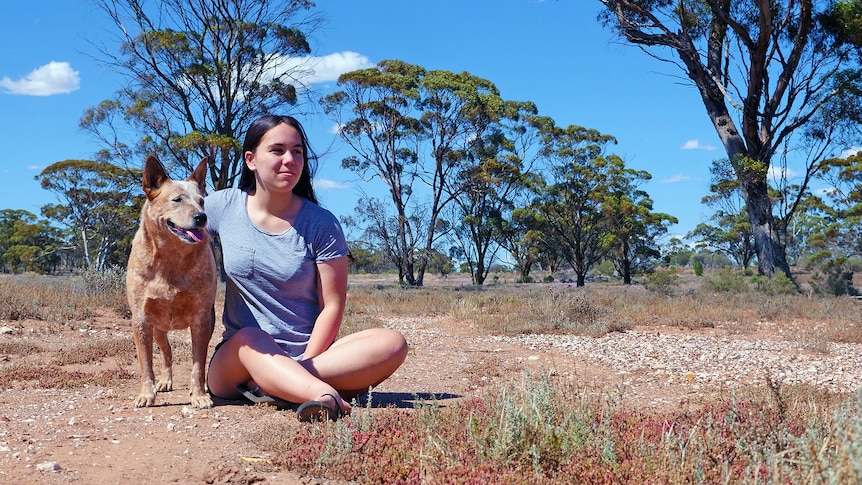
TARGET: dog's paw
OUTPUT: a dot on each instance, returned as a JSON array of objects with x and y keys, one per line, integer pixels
[
  {"x": 145, "y": 400},
  {"x": 202, "y": 402},
  {"x": 164, "y": 386}
]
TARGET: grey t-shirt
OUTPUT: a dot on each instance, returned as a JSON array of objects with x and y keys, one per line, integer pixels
[{"x": 272, "y": 278}]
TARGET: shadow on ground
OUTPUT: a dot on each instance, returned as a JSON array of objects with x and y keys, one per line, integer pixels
[
  {"x": 401, "y": 400},
  {"x": 408, "y": 400}
]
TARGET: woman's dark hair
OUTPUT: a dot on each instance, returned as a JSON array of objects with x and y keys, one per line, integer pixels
[{"x": 255, "y": 133}]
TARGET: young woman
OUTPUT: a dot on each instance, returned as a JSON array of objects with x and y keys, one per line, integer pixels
[{"x": 286, "y": 264}]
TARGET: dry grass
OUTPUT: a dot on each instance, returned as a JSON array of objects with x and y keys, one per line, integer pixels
[
  {"x": 600, "y": 308},
  {"x": 63, "y": 302},
  {"x": 535, "y": 430},
  {"x": 44, "y": 298}
]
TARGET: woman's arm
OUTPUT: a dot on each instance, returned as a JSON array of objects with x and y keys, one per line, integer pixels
[{"x": 332, "y": 291}]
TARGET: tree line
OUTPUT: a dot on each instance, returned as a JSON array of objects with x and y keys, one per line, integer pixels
[{"x": 467, "y": 174}]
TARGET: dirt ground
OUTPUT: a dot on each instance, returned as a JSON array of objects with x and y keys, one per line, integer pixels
[{"x": 94, "y": 434}]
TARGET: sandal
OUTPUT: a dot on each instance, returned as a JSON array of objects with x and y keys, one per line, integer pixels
[
  {"x": 318, "y": 411},
  {"x": 251, "y": 395}
]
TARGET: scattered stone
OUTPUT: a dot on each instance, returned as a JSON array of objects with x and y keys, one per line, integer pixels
[{"x": 48, "y": 466}]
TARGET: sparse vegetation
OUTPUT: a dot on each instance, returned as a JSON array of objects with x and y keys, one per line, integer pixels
[
  {"x": 534, "y": 428},
  {"x": 534, "y": 431}
]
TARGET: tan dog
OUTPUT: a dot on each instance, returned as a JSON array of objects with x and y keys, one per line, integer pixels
[{"x": 171, "y": 278}]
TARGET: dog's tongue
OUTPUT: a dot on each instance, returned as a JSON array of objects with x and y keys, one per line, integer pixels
[{"x": 194, "y": 235}]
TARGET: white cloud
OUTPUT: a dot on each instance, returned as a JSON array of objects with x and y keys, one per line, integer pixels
[
  {"x": 328, "y": 68},
  {"x": 695, "y": 145},
  {"x": 676, "y": 179},
  {"x": 780, "y": 173},
  {"x": 850, "y": 152},
  {"x": 326, "y": 184},
  {"x": 314, "y": 70},
  {"x": 52, "y": 78},
  {"x": 825, "y": 191}
]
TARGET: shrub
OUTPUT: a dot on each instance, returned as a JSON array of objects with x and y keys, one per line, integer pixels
[
  {"x": 43, "y": 298},
  {"x": 664, "y": 281},
  {"x": 834, "y": 279},
  {"x": 725, "y": 281},
  {"x": 779, "y": 284},
  {"x": 109, "y": 286}
]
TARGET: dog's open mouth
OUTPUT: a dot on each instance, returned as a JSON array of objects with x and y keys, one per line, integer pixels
[{"x": 188, "y": 235}]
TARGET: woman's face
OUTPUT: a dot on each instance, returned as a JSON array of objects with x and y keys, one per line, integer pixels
[{"x": 278, "y": 160}]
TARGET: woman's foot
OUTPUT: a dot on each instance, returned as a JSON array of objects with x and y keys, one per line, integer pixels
[
  {"x": 257, "y": 396},
  {"x": 327, "y": 406}
]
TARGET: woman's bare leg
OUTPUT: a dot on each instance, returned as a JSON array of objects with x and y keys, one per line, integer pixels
[
  {"x": 251, "y": 355},
  {"x": 350, "y": 366},
  {"x": 360, "y": 360}
]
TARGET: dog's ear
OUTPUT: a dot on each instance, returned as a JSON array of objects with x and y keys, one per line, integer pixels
[
  {"x": 199, "y": 176},
  {"x": 154, "y": 177}
]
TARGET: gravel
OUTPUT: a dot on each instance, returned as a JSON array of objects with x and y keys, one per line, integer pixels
[{"x": 704, "y": 359}]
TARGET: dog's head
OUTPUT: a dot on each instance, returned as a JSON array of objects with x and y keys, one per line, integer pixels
[{"x": 177, "y": 204}]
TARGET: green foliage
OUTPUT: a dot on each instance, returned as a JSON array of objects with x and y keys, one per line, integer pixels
[
  {"x": 663, "y": 281},
  {"x": 676, "y": 253},
  {"x": 439, "y": 263},
  {"x": 731, "y": 232},
  {"x": 101, "y": 205},
  {"x": 698, "y": 268},
  {"x": 844, "y": 21},
  {"x": 779, "y": 284},
  {"x": 197, "y": 78},
  {"x": 834, "y": 277},
  {"x": 725, "y": 280},
  {"x": 408, "y": 124},
  {"x": 28, "y": 244},
  {"x": 605, "y": 268},
  {"x": 589, "y": 205}
]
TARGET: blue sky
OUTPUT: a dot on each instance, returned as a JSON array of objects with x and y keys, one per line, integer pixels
[{"x": 550, "y": 52}]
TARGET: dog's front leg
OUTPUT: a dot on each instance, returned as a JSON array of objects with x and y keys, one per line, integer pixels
[
  {"x": 201, "y": 335},
  {"x": 144, "y": 347},
  {"x": 166, "y": 382}
]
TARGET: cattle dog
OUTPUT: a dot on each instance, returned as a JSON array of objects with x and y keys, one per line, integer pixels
[{"x": 171, "y": 278}]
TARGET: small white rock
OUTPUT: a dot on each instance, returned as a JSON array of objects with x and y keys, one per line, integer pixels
[{"x": 48, "y": 466}]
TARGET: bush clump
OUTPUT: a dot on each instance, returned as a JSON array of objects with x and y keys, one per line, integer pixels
[{"x": 725, "y": 280}]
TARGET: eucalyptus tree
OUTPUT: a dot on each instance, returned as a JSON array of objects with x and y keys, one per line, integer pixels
[
  {"x": 411, "y": 129},
  {"x": 521, "y": 236},
  {"x": 97, "y": 200},
  {"x": 494, "y": 181},
  {"x": 829, "y": 235},
  {"x": 730, "y": 229},
  {"x": 768, "y": 73},
  {"x": 380, "y": 228},
  {"x": 459, "y": 113},
  {"x": 373, "y": 110},
  {"x": 197, "y": 72},
  {"x": 28, "y": 243},
  {"x": 570, "y": 200},
  {"x": 634, "y": 229},
  {"x": 845, "y": 208}
]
